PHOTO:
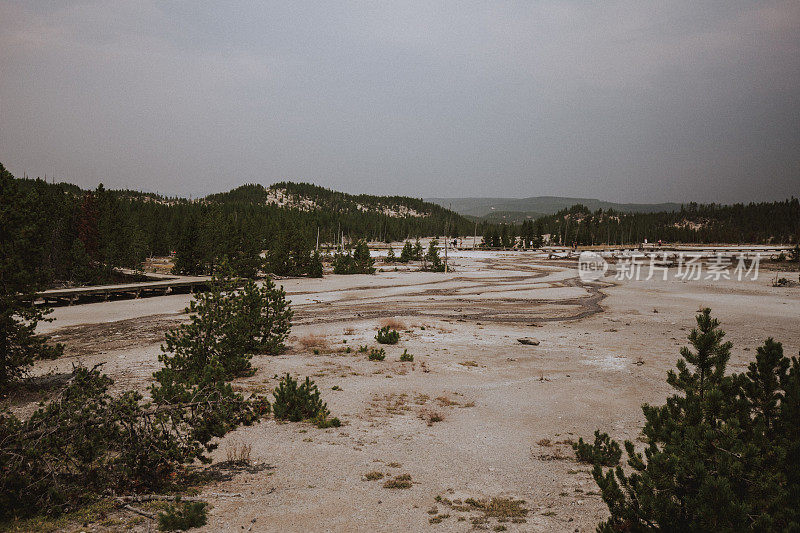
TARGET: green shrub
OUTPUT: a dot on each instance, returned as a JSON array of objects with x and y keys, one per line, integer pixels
[
  {"x": 181, "y": 516},
  {"x": 406, "y": 357},
  {"x": 377, "y": 355},
  {"x": 295, "y": 402},
  {"x": 363, "y": 349},
  {"x": 87, "y": 442},
  {"x": 604, "y": 451},
  {"x": 323, "y": 422},
  {"x": 387, "y": 336}
]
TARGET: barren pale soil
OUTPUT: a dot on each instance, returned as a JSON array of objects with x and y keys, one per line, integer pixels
[{"x": 507, "y": 410}]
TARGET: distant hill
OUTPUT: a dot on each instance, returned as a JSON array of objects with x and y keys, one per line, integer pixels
[
  {"x": 309, "y": 197},
  {"x": 519, "y": 209}
]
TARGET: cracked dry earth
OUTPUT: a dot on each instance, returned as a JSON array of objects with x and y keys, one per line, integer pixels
[{"x": 426, "y": 445}]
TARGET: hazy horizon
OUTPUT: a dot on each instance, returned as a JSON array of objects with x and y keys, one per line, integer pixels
[{"x": 623, "y": 102}]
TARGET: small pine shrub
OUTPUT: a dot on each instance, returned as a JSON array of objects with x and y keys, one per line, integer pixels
[
  {"x": 604, "y": 451},
  {"x": 180, "y": 516},
  {"x": 295, "y": 402},
  {"x": 377, "y": 355},
  {"x": 406, "y": 357},
  {"x": 323, "y": 422},
  {"x": 387, "y": 336},
  {"x": 363, "y": 349}
]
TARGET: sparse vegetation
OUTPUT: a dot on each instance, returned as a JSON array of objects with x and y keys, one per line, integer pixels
[
  {"x": 431, "y": 416},
  {"x": 403, "y": 481},
  {"x": 386, "y": 335},
  {"x": 499, "y": 508},
  {"x": 373, "y": 476},
  {"x": 406, "y": 357},
  {"x": 313, "y": 340},
  {"x": 239, "y": 453},
  {"x": 393, "y": 323},
  {"x": 377, "y": 354},
  {"x": 181, "y": 516}
]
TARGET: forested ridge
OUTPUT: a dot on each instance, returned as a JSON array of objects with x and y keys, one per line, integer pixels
[
  {"x": 76, "y": 235},
  {"x": 753, "y": 223},
  {"x": 80, "y": 236}
]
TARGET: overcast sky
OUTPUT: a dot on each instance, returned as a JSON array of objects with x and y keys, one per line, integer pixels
[{"x": 625, "y": 101}]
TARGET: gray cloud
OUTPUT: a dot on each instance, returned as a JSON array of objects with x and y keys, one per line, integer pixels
[{"x": 628, "y": 101}]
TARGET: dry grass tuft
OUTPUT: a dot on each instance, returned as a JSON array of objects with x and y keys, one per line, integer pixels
[
  {"x": 374, "y": 475},
  {"x": 239, "y": 453},
  {"x": 468, "y": 363},
  {"x": 444, "y": 401},
  {"x": 431, "y": 416},
  {"x": 403, "y": 481},
  {"x": 314, "y": 341},
  {"x": 421, "y": 399},
  {"x": 393, "y": 323},
  {"x": 349, "y": 331},
  {"x": 500, "y": 508},
  {"x": 544, "y": 442}
]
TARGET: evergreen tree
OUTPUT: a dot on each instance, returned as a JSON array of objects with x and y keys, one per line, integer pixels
[
  {"x": 722, "y": 454},
  {"x": 418, "y": 250},
  {"x": 407, "y": 253},
  {"x": 390, "y": 257},
  {"x": 354, "y": 262},
  {"x": 20, "y": 347},
  {"x": 227, "y": 326},
  {"x": 315, "y": 269},
  {"x": 434, "y": 262},
  {"x": 187, "y": 254},
  {"x": 363, "y": 259}
]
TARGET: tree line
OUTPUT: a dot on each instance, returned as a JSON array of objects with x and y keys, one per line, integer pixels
[
  {"x": 79, "y": 236},
  {"x": 753, "y": 223}
]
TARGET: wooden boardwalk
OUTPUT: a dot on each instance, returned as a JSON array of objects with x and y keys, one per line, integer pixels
[{"x": 140, "y": 289}]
